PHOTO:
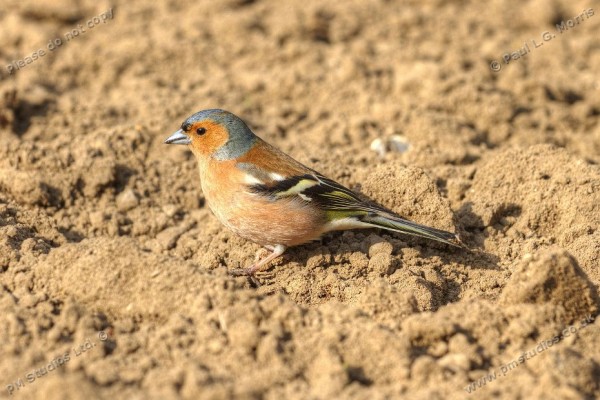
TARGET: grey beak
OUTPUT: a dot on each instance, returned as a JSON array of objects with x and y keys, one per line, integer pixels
[{"x": 178, "y": 138}]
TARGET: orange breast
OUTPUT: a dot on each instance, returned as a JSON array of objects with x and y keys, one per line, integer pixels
[{"x": 287, "y": 221}]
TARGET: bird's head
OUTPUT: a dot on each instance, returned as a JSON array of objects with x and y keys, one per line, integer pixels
[{"x": 214, "y": 133}]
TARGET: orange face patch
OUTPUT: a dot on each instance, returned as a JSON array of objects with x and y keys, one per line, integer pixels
[{"x": 207, "y": 143}]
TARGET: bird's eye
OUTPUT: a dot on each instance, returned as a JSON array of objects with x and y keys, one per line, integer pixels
[{"x": 201, "y": 131}]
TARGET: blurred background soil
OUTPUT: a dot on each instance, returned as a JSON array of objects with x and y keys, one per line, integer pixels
[{"x": 113, "y": 270}]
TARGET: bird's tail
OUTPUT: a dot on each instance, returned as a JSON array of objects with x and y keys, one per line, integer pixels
[{"x": 397, "y": 224}]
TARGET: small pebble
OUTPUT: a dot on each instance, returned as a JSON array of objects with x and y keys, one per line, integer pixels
[
  {"x": 378, "y": 146},
  {"x": 396, "y": 143},
  {"x": 399, "y": 143},
  {"x": 170, "y": 210},
  {"x": 455, "y": 362},
  {"x": 127, "y": 200},
  {"x": 12, "y": 231}
]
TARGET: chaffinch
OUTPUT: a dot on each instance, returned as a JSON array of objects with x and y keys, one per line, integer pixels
[{"x": 267, "y": 197}]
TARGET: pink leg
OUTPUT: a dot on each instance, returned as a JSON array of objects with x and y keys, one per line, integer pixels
[{"x": 250, "y": 271}]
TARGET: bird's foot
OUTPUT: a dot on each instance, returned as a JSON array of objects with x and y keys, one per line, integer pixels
[
  {"x": 253, "y": 274},
  {"x": 258, "y": 267}
]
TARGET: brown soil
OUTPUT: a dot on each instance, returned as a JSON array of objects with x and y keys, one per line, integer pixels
[{"x": 113, "y": 270}]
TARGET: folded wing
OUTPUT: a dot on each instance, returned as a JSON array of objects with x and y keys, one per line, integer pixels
[{"x": 342, "y": 208}]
